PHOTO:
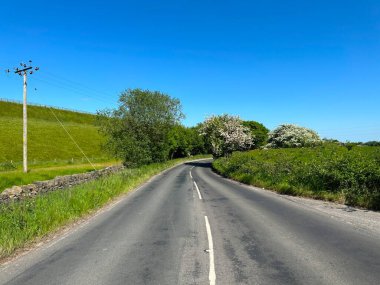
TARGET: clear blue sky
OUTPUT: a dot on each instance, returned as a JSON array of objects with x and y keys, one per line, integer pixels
[{"x": 312, "y": 63}]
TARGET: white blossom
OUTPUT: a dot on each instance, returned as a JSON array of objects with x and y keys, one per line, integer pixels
[
  {"x": 288, "y": 135},
  {"x": 226, "y": 134}
]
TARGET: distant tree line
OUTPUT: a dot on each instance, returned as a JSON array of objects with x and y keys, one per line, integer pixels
[{"x": 146, "y": 128}]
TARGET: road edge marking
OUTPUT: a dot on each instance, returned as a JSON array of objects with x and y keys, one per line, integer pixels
[{"x": 212, "y": 274}]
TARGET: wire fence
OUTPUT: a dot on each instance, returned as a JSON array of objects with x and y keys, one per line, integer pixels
[{"x": 45, "y": 106}]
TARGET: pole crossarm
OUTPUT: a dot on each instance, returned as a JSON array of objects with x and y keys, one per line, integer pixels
[{"x": 19, "y": 71}]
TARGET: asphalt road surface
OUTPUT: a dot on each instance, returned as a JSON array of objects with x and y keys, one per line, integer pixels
[{"x": 190, "y": 226}]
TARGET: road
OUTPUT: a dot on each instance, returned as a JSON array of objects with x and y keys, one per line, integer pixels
[{"x": 190, "y": 226}]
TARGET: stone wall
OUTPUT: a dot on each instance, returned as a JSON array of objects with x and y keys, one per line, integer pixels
[{"x": 60, "y": 182}]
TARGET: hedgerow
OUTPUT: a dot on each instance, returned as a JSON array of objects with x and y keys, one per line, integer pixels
[{"x": 330, "y": 172}]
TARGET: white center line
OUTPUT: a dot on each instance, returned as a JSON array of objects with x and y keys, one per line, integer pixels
[
  {"x": 190, "y": 172},
  {"x": 212, "y": 274},
  {"x": 199, "y": 193}
]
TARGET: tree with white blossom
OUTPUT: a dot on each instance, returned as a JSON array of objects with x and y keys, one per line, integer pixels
[
  {"x": 225, "y": 134},
  {"x": 288, "y": 135}
]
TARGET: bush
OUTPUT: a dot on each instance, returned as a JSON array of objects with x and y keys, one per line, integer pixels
[{"x": 288, "y": 136}]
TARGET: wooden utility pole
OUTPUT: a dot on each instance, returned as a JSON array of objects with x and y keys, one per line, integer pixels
[{"x": 25, "y": 69}]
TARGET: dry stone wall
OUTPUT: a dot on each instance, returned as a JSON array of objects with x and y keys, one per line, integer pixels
[{"x": 60, "y": 182}]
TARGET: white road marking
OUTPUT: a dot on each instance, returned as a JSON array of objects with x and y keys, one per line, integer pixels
[
  {"x": 212, "y": 274},
  {"x": 191, "y": 175},
  {"x": 199, "y": 193}
]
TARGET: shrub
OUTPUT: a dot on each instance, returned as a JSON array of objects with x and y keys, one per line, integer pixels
[
  {"x": 225, "y": 134},
  {"x": 288, "y": 136}
]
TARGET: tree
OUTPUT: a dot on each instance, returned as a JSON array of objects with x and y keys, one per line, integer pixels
[
  {"x": 179, "y": 142},
  {"x": 185, "y": 141},
  {"x": 372, "y": 143},
  {"x": 259, "y": 133},
  {"x": 137, "y": 131},
  {"x": 287, "y": 135},
  {"x": 225, "y": 134}
]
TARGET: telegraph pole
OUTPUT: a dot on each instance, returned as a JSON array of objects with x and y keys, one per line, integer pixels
[{"x": 25, "y": 69}]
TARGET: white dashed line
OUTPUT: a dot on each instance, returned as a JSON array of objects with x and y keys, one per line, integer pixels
[
  {"x": 199, "y": 193},
  {"x": 212, "y": 274}
]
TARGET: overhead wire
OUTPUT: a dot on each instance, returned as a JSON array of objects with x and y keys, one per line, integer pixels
[
  {"x": 72, "y": 89},
  {"x": 75, "y": 83},
  {"x": 77, "y": 145}
]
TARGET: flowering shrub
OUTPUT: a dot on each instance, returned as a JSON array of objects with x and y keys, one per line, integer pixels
[
  {"x": 288, "y": 135},
  {"x": 226, "y": 134}
]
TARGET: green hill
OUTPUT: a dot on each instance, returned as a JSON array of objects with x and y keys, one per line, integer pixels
[{"x": 47, "y": 140}]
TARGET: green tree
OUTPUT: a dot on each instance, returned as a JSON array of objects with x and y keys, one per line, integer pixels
[
  {"x": 138, "y": 130},
  {"x": 259, "y": 133},
  {"x": 185, "y": 141},
  {"x": 179, "y": 142}
]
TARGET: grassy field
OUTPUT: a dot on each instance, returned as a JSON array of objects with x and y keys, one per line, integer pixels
[
  {"x": 329, "y": 172},
  {"x": 47, "y": 140},
  {"x": 29, "y": 220}
]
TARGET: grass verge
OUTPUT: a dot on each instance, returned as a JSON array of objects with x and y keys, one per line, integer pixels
[
  {"x": 29, "y": 220},
  {"x": 17, "y": 177}
]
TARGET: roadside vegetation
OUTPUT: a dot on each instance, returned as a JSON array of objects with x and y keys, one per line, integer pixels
[
  {"x": 330, "y": 172},
  {"x": 31, "y": 219},
  {"x": 294, "y": 160}
]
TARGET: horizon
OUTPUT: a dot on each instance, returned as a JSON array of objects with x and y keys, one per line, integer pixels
[
  {"x": 315, "y": 65},
  {"x": 91, "y": 113}
]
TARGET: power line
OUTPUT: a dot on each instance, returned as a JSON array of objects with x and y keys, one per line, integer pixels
[
  {"x": 51, "y": 110},
  {"x": 75, "y": 83},
  {"x": 72, "y": 90}
]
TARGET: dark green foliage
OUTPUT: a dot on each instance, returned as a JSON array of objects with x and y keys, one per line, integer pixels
[
  {"x": 329, "y": 172},
  {"x": 372, "y": 143},
  {"x": 138, "y": 130},
  {"x": 185, "y": 141},
  {"x": 259, "y": 133}
]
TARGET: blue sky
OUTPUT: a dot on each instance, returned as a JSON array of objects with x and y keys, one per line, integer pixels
[{"x": 312, "y": 63}]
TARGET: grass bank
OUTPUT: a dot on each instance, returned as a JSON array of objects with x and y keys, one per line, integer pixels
[
  {"x": 47, "y": 140},
  {"x": 29, "y": 220},
  {"x": 329, "y": 172}
]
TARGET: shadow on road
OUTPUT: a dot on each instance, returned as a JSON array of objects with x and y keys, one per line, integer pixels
[{"x": 204, "y": 164}]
